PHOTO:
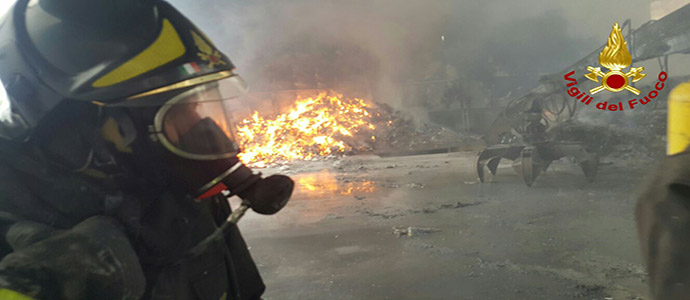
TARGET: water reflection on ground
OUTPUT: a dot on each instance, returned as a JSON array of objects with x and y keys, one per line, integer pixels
[
  {"x": 320, "y": 196},
  {"x": 325, "y": 183}
]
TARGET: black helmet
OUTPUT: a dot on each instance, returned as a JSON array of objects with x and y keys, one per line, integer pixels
[
  {"x": 95, "y": 83},
  {"x": 155, "y": 82},
  {"x": 99, "y": 54}
]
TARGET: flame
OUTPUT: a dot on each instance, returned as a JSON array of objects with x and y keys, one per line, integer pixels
[
  {"x": 313, "y": 127},
  {"x": 615, "y": 55}
]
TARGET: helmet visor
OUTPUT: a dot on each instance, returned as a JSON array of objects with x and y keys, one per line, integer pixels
[{"x": 195, "y": 124}]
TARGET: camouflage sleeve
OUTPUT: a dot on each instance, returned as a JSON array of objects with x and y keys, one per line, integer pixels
[
  {"x": 93, "y": 260},
  {"x": 663, "y": 222}
]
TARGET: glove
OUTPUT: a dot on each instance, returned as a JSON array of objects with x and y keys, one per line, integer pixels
[{"x": 93, "y": 260}]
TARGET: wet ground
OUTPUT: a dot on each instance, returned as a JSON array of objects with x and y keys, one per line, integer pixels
[{"x": 422, "y": 227}]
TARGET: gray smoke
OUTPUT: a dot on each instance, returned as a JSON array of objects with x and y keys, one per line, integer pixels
[{"x": 407, "y": 53}]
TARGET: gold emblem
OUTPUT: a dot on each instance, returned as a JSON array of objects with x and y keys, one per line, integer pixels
[
  {"x": 615, "y": 57},
  {"x": 207, "y": 52}
]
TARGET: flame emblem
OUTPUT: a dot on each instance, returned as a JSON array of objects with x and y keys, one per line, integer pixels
[
  {"x": 615, "y": 57},
  {"x": 207, "y": 52}
]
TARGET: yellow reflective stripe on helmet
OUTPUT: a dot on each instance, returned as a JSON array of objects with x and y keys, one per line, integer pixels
[
  {"x": 6, "y": 294},
  {"x": 678, "y": 119},
  {"x": 166, "y": 48}
]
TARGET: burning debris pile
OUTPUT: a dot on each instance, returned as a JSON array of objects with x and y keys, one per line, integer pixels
[
  {"x": 327, "y": 124},
  {"x": 330, "y": 125}
]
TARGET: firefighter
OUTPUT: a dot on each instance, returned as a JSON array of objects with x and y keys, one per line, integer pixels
[
  {"x": 663, "y": 210},
  {"x": 116, "y": 157}
]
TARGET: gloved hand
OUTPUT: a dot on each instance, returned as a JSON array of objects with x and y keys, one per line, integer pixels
[{"x": 93, "y": 260}]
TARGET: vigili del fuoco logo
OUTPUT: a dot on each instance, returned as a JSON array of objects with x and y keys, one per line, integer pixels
[{"x": 615, "y": 57}]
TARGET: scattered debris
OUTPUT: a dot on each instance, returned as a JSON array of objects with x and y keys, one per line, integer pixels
[
  {"x": 412, "y": 231},
  {"x": 458, "y": 205},
  {"x": 390, "y": 185},
  {"x": 588, "y": 290},
  {"x": 332, "y": 217},
  {"x": 384, "y": 215},
  {"x": 388, "y": 214},
  {"x": 415, "y": 185}
]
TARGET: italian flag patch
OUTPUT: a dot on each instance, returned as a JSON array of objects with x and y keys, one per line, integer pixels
[{"x": 189, "y": 68}]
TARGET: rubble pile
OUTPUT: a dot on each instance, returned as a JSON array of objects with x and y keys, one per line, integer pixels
[
  {"x": 642, "y": 135},
  {"x": 404, "y": 135}
]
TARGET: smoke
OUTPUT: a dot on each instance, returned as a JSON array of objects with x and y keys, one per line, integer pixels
[
  {"x": 407, "y": 53},
  {"x": 5, "y": 5},
  {"x": 365, "y": 47}
]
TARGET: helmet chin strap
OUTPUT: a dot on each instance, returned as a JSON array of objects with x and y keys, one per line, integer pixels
[
  {"x": 115, "y": 128},
  {"x": 118, "y": 129}
]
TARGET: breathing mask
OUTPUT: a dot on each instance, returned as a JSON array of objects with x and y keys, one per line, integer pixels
[{"x": 189, "y": 137}]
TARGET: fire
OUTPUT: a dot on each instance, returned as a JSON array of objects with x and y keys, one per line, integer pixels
[{"x": 313, "y": 127}]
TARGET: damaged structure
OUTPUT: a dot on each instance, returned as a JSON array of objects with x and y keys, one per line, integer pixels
[{"x": 522, "y": 131}]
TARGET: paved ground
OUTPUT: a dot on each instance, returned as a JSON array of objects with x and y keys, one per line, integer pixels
[{"x": 563, "y": 238}]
